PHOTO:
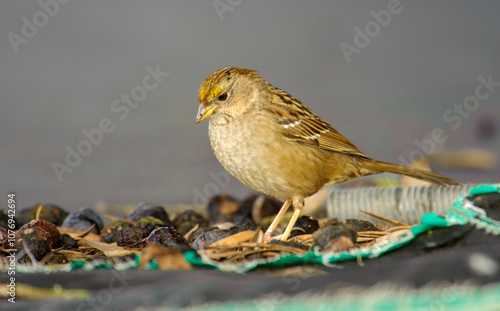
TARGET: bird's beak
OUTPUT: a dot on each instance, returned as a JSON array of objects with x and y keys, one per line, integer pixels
[{"x": 204, "y": 113}]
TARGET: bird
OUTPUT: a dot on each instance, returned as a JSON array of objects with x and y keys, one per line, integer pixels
[{"x": 274, "y": 144}]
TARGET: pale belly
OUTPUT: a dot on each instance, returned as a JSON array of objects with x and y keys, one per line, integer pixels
[{"x": 256, "y": 158}]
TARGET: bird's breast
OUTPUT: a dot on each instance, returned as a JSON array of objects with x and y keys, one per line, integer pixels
[
  {"x": 256, "y": 154},
  {"x": 240, "y": 150}
]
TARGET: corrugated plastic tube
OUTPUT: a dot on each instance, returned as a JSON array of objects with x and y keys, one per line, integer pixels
[{"x": 404, "y": 203}]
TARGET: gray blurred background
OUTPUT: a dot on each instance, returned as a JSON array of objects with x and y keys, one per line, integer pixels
[{"x": 65, "y": 77}]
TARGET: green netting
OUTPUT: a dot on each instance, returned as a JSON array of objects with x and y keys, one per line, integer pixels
[{"x": 462, "y": 212}]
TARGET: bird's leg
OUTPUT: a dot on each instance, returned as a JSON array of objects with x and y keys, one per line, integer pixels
[
  {"x": 274, "y": 224},
  {"x": 297, "y": 209}
]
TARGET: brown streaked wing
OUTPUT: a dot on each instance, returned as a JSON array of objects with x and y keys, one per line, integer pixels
[{"x": 300, "y": 124}]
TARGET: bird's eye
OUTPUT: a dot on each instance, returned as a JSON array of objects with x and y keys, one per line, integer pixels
[{"x": 222, "y": 97}]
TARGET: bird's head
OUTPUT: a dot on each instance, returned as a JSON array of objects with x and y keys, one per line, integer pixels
[{"x": 231, "y": 91}]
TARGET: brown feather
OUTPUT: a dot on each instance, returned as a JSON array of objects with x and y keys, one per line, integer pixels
[{"x": 300, "y": 124}]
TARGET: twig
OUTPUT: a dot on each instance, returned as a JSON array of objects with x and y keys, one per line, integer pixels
[
  {"x": 84, "y": 234},
  {"x": 186, "y": 236},
  {"x": 392, "y": 221},
  {"x": 398, "y": 228},
  {"x": 38, "y": 211}
]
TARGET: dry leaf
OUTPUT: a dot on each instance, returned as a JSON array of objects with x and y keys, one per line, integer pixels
[
  {"x": 240, "y": 237},
  {"x": 109, "y": 250},
  {"x": 167, "y": 259},
  {"x": 342, "y": 244},
  {"x": 76, "y": 234}
]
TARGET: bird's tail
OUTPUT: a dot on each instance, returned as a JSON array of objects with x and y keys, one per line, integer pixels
[{"x": 412, "y": 172}]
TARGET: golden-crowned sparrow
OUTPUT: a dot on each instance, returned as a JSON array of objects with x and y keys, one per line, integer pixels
[{"x": 274, "y": 144}]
